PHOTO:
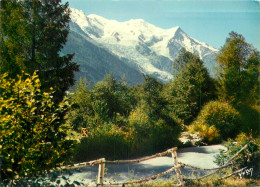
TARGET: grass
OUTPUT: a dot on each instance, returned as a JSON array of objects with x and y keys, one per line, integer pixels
[
  {"x": 209, "y": 181},
  {"x": 232, "y": 181}
]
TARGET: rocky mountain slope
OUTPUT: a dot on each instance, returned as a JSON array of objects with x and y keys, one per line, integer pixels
[{"x": 129, "y": 48}]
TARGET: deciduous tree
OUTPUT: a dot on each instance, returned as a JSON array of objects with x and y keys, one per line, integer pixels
[{"x": 238, "y": 71}]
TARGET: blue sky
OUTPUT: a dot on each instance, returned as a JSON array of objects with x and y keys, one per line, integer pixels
[{"x": 209, "y": 21}]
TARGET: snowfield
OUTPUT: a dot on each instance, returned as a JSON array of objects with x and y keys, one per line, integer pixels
[{"x": 141, "y": 43}]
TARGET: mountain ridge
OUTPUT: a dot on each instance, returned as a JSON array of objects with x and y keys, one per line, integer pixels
[{"x": 137, "y": 44}]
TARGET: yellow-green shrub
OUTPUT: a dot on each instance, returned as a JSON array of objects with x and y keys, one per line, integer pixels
[
  {"x": 220, "y": 116},
  {"x": 138, "y": 116},
  {"x": 32, "y": 128},
  {"x": 208, "y": 133}
]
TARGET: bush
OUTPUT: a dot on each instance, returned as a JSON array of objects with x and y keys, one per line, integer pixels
[
  {"x": 220, "y": 117},
  {"x": 250, "y": 118},
  {"x": 248, "y": 158},
  {"x": 120, "y": 123},
  {"x": 108, "y": 141},
  {"x": 33, "y": 135},
  {"x": 138, "y": 116},
  {"x": 152, "y": 135},
  {"x": 209, "y": 133},
  {"x": 124, "y": 138}
]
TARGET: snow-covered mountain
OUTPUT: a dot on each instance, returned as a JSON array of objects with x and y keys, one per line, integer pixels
[{"x": 140, "y": 46}]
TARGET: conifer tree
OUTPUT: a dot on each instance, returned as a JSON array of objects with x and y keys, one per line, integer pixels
[
  {"x": 12, "y": 38},
  {"x": 155, "y": 103},
  {"x": 32, "y": 36},
  {"x": 191, "y": 88},
  {"x": 183, "y": 58}
]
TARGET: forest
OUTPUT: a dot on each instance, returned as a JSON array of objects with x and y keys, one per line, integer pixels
[{"x": 43, "y": 109}]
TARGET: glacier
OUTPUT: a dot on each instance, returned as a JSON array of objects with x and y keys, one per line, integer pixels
[{"x": 148, "y": 49}]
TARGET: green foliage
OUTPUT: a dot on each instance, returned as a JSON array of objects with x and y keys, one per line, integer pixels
[
  {"x": 122, "y": 122},
  {"x": 238, "y": 80},
  {"x": 139, "y": 116},
  {"x": 108, "y": 101},
  {"x": 11, "y": 49},
  {"x": 250, "y": 118},
  {"x": 50, "y": 179},
  {"x": 248, "y": 158},
  {"x": 238, "y": 71},
  {"x": 32, "y": 33},
  {"x": 151, "y": 135},
  {"x": 82, "y": 110},
  {"x": 33, "y": 134},
  {"x": 184, "y": 57},
  {"x": 113, "y": 142},
  {"x": 115, "y": 96},
  {"x": 149, "y": 94},
  {"x": 191, "y": 88},
  {"x": 219, "y": 116},
  {"x": 153, "y": 125},
  {"x": 107, "y": 141}
]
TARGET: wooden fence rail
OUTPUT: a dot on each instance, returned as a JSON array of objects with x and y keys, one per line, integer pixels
[
  {"x": 83, "y": 164},
  {"x": 203, "y": 169},
  {"x": 176, "y": 168},
  {"x": 169, "y": 151},
  {"x": 153, "y": 177},
  {"x": 225, "y": 165}
]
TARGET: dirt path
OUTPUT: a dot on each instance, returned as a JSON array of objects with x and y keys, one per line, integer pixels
[{"x": 197, "y": 156}]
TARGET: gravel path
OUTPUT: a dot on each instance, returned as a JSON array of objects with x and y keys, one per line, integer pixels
[{"x": 197, "y": 156}]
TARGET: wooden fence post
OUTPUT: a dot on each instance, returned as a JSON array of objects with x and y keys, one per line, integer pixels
[
  {"x": 178, "y": 170},
  {"x": 101, "y": 172}
]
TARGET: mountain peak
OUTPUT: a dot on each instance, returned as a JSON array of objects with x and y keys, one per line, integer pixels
[
  {"x": 97, "y": 18},
  {"x": 150, "y": 49},
  {"x": 178, "y": 29},
  {"x": 140, "y": 24},
  {"x": 138, "y": 21},
  {"x": 179, "y": 34},
  {"x": 78, "y": 17},
  {"x": 173, "y": 31},
  {"x": 76, "y": 11}
]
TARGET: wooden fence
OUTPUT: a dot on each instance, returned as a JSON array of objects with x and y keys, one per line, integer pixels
[{"x": 176, "y": 168}]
